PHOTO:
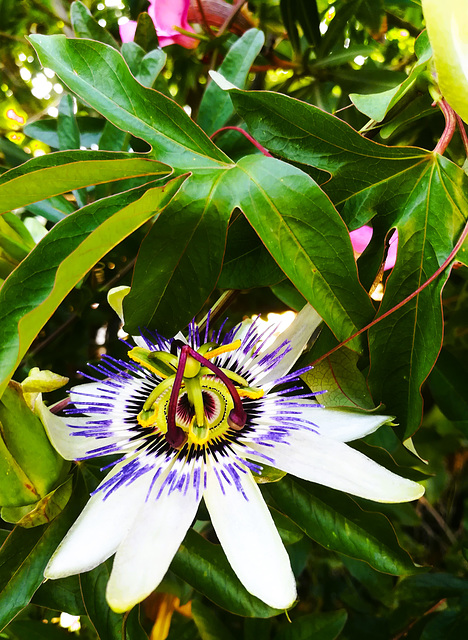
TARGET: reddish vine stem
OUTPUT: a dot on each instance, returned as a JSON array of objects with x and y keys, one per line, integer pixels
[
  {"x": 450, "y": 126},
  {"x": 247, "y": 135},
  {"x": 206, "y": 27},
  {"x": 235, "y": 10},
  {"x": 442, "y": 268},
  {"x": 463, "y": 133}
]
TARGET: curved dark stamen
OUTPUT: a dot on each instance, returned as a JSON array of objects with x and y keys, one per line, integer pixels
[{"x": 237, "y": 417}]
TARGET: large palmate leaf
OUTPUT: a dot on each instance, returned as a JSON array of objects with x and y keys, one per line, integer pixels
[
  {"x": 180, "y": 259},
  {"x": 419, "y": 193},
  {"x": 336, "y": 522},
  {"x": 100, "y": 76},
  {"x": 301, "y": 132},
  {"x": 38, "y": 285},
  {"x": 429, "y": 215},
  {"x": 288, "y": 211},
  {"x": 57, "y": 173}
]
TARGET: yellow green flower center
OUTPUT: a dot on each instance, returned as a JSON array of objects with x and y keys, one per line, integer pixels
[{"x": 196, "y": 401}]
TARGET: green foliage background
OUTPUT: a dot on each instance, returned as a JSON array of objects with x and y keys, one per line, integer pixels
[{"x": 123, "y": 186}]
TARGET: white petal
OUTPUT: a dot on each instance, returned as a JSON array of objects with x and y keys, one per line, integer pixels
[
  {"x": 297, "y": 334},
  {"x": 146, "y": 553},
  {"x": 343, "y": 426},
  {"x": 69, "y": 446},
  {"x": 62, "y": 434},
  {"x": 250, "y": 540},
  {"x": 99, "y": 529},
  {"x": 336, "y": 465}
]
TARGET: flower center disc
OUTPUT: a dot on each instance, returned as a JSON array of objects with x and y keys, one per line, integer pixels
[{"x": 217, "y": 405}]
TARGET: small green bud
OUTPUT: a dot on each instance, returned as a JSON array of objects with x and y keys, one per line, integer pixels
[{"x": 30, "y": 468}]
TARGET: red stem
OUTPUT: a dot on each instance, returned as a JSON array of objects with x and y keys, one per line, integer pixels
[
  {"x": 442, "y": 268},
  {"x": 450, "y": 126},
  {"x": 463, "y": 133},
  {"x": 247, "y": 135}
]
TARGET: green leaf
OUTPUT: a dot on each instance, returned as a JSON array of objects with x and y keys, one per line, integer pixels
[
  {"x": 107, "y": 623},
  {"x": 25, "y": 554},
  {"x": 209, "y": 625},
  {"x": 309, "y": 19},
  {"x": 302, "y": 133},
  {"x": 85, "y": 26},
  {"x": 377, "y": 105},
  {"x": 422, "y": 195},
  {"x": 450, "y": 625},
  {"x": 319, "y": 626},
  {"x": 277, "y": 199},
  {"x": 290, "y": 212},
  {"x": 344, "y": 383},
  {"x": 289, "y": 532},
  {"x": 288, "y": 14},
  {"x": 150, "y": 67},
  {"x": 38, "y": 285},
  {"x": 67, "y": 127},
  {"x": 447, "y": 382},
  {"x": 429, "y": 210},
  {"x": 62, "y": 595},
  {"x": 288, "y": 294},
  {"x": 45, "y": 130},
  {"x": 431, "y": 587},
  {"x": 216, "y": 106},
  {"x": 190, "y": 236},
  {"x": 336, "y": 522},
  {"x": 144, "y": 66},
  {"x": 247, "y": 263},
  {"x": 205, "y": 567},
  {"x": 99, "y": 75},
  {"x": 145, "y": 34},
  {"x": 57, "y": 173},
  {"x": 133, "y": 627},
  {"x": 53, "y": 209},
  {"x": 37, "y": 630}
]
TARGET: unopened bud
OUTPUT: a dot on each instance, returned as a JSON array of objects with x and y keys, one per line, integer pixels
[{"x": 30, "y": 468}]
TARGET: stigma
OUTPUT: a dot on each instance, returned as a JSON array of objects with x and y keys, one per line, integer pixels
[{"x": 196, "y": 401}]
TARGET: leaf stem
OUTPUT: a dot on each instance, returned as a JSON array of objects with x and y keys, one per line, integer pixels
[
  {"x": 235, "y": 10},
  {"x": 442, "y": 268},
  {"x": 463, "y": 133},
  {"x": 247, "y": 135},
  {"x": 450, "y": 126}
]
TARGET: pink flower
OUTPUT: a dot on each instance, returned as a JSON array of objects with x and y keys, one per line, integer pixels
[
  {"x": 361, "y": 237},
  {"x": 166, "y": 15}
]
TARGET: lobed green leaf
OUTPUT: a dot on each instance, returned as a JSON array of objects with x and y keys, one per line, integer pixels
[
  {"x": 60, "y": 172},
  {"x": 38, "y": 285},
  {"x": 100, "y": 76}
]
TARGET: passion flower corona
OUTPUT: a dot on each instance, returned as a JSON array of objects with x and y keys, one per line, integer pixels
[{"x": 197, "y": 418}]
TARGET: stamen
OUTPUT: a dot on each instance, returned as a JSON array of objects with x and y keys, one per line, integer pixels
[
  {"x": 224, "y": 348},
  {"x": 176, "y": 436},
  {"x": 237, "y": 418}
]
